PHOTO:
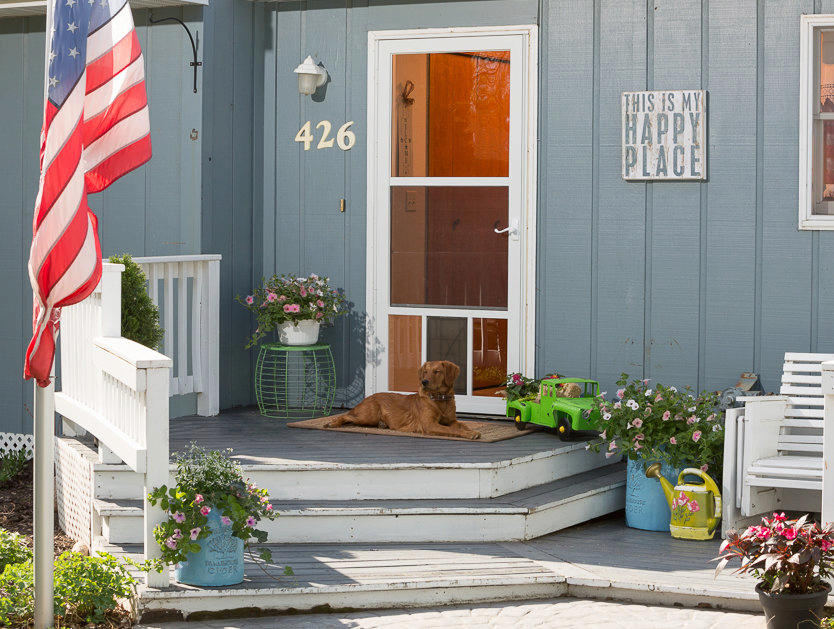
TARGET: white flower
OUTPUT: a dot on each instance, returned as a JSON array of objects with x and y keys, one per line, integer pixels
[
  {"x": 691, "y": 409},
  {"x": 715, "y": 427},
  {"x": 673, "y": 389},
  {"x": 648, "y": 392},
  {"x": 632, "y": 405},
  {"x": 606, "y": 416}
]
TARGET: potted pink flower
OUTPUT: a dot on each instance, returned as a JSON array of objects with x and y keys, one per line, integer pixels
[
  {"x": 213, "y": 512},
  {"x": 294, "y": 307},
  {"x": 791, "y": 560}
]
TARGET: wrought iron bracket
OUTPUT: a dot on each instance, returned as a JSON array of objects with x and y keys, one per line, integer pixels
[{"x": 194, "y": 45}]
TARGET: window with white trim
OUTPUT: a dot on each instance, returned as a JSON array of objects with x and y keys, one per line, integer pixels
[{"x": 816, "y": 123}]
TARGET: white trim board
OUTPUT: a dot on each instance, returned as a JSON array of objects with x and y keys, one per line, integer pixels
[
  {"x": 25, "y": 8},
  {"x": 522, "y": 197}
]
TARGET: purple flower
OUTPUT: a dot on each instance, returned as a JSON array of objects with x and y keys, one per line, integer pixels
[
  {"x": 250, "y": 521},
  {"x": 178, "y": 516},
  {"x": 195, "y": 532},
  {"x": 171, "y": 543},
  {"x": 226, "y": 520},
  {"x": 177, "y": 534}
]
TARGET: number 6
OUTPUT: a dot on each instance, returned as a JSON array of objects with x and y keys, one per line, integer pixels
[{"x": 344, "y": 138}]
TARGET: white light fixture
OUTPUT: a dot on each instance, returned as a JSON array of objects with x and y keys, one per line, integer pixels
[{"x": 310, "y": 76}]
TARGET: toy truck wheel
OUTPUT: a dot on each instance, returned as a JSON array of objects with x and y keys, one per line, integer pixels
[
  {"x": 520, "y": 425},
  {"x": 563, "y": 427}
]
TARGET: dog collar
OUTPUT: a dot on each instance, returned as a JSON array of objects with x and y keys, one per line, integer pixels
[{"x": 441, "y": 397}]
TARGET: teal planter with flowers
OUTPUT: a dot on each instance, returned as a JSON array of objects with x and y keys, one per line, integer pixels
[
  {"x": 213, "y": 512},
  {"x": 658, "y": 424}
]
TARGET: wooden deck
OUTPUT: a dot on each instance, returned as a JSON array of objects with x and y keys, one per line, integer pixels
[
  {"x": 600, "y": 559},
  {"x": 258, "y": 440}
]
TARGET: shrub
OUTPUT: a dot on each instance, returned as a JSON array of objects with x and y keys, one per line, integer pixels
[
  {"x": 13, "y": 549},
  {"x": 11, "y": 463},
  {"x": 87, "y": 589},
  {"x": 140, "y": 317},
  {"x": 791, "y": 556}
]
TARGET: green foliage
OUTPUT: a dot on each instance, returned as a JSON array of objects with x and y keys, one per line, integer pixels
[
  {"x": 519, "y": 386},
  {"x": 662, "y": 423},
  {"x": 10, "y": 465},
  {"x": 13, "y": 549},
  {"x": 207, "y": 480},
  {"x": 87, "y": 589},
  {"x": 284, "y": 298},
  {"x": 140, "y": 318}
]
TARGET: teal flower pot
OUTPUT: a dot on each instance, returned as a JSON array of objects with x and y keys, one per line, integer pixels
[
  {"x": 646, "y": 507},
  {"x": 220, "y": 560}
]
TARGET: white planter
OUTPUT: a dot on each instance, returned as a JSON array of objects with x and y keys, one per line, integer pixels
[{"x": 302, "y": 333}]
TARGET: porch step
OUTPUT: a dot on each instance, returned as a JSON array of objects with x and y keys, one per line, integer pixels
[
  {"x": 518, "y": 515},
  {"x": 453, "y": 478}
]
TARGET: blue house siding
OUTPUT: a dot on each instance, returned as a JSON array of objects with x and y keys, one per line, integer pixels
[
  {"x": 685, "y": 283},
  {"x": 152, "y": 211}
]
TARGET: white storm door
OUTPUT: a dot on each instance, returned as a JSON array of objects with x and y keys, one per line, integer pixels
[{"x": 451, "y": 171}]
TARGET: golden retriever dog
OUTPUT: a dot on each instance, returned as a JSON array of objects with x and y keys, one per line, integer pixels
[{"x": 430, "y": 411}]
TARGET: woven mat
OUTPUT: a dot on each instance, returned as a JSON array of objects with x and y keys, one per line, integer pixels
[{"x": 491, "y": 430}]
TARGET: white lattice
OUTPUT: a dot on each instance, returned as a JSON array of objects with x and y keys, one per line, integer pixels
[
  {"x": 73, "y": 491},
  {"x": 14, "y": 441}
]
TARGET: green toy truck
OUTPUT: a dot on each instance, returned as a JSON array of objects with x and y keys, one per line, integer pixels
[{"x": 570, "y": 417}]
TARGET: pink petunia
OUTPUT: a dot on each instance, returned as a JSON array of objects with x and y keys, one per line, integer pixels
[
  {"x": 195, "y": 532},
  {"x": 673, "y": 441},
  {"x": 282, "y": 298},
  {"x": 270, "y": 297},
  {"x": 319, "y": 315},
  {"x": 250, "y": 521},
  {"x": 659, "y": 398},
  {"x": 269, "y": 507},
  {"x": 711, "y": 417},
  {"x": 696, "y": 435},
  {"x": 620, "y": 393},
  {"x": 639, "y": 436},
  {"x": 618, "y": 405},
  {"x": 171, "y": 543},
  {"x": 303, "y": 292},
  {"x": 198, "y": 499},
  {"x": 250, "y": 300},
  {"x": 205, "y": 510},
  {"x": 612, "y": 445},
  {"x": 320, "y": 303},
  {"x": 226, "y": 520},
  {"x": 177, "y": 534},
  {"x": 667, "y": 415},
  {"x": 704, "y": 467},
  {"x": 637, "y": 445},
  {"x": 691, "y": 419},
  {"x": 178, "y": 516},
  {"x": 637, "y": 423}
]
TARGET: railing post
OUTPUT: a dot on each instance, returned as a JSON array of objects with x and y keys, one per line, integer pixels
[
  {"x": 828, "y": 443},
  {"x": 111, "y": 299},
  {"x": 156, "y": 464},
  {"x": 208, "y": 402}
]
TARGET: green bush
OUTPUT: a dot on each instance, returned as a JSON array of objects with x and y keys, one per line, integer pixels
[
  {"x": 140, "y": 317},
  {"x": 13, "y": 549},
  {"x": 11, "y": 463},
  {"x": 87, "y": 589}
]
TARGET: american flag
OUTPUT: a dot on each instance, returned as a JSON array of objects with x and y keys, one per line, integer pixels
[{"x": 95, "y": 129}]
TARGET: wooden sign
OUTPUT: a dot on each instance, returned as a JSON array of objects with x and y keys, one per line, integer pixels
[{"x": 664, "y": 135}]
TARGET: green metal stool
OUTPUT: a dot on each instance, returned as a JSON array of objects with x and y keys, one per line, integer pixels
[{"x": 295, "y": 382}]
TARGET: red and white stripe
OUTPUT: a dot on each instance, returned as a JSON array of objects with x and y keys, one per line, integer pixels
[{"x": 100, "y": 132}]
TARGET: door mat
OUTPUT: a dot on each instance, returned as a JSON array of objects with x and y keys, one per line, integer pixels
[{"x": 491, "y": 431}]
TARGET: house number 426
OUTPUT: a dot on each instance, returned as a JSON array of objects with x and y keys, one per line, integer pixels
[{"x": 344, "y": 137}]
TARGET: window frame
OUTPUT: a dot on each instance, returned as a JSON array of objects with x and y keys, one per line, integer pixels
[{"x": 810, "y": 172}]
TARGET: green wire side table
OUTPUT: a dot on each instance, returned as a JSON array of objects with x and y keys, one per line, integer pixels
[{"x": 295, "y": 382}]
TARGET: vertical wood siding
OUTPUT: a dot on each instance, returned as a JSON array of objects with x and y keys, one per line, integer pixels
[{"x": 152, "y": 211}]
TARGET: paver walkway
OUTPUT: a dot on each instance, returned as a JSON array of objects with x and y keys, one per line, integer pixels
[{"x": 565, "y": 613}]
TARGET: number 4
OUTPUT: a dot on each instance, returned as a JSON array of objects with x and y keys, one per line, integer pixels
[{"x": 305, "y": 135}]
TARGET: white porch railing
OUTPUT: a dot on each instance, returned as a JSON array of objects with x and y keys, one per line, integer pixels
[
  {"x": 187, "y": 291},
  {"x": 828, "y": 442},
  {"x": 117, "y": 390}
]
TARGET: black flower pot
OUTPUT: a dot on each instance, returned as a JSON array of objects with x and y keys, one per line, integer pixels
[{"x": 793, "y": 611}]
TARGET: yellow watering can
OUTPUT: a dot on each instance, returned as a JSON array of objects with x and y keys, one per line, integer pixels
[{"x": 696, "y": 508}]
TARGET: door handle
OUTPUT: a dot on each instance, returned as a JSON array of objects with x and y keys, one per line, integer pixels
[{"x": 511, "y": 229}]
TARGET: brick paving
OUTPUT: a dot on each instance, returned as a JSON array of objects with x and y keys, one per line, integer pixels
[{"x": 565, "y": 613}]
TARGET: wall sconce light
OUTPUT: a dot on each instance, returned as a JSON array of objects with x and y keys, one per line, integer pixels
[{"x": 310, "y": 76}]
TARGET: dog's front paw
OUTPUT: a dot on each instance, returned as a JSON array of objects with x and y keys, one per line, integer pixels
[{"x": 473, "y": 435}]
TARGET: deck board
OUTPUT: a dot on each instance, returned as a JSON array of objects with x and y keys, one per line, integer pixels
[
  {"x": 596, "y": 559},
  {"x": 258, "y": 440}
]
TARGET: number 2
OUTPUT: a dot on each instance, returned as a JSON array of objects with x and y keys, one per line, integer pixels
[{"x": 324, "y": 143}]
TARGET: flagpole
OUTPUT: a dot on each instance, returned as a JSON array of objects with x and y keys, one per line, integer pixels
[
  {"x": 44, "y": 509},
  {"x": 43, "y": 526}
]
